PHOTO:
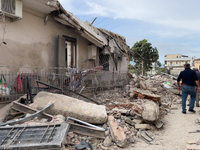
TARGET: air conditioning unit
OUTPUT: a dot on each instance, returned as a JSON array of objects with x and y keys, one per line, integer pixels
[
  {"x": 11, "y": 8},
  {"x": 92, "y": 52}
]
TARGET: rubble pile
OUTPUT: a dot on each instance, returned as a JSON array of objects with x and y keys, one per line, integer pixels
[{"x": 121, "y": 119}]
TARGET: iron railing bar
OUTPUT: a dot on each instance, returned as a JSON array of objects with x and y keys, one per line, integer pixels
[
  {"x": 44, "y": 133},
  {"x": 7, "y": 135}
]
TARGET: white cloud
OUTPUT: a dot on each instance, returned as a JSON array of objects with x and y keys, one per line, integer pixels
[
  {"x": 159, "y": 21},
  {"x": 182, "y": 14}
]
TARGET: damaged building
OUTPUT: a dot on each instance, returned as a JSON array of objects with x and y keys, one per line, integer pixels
[
  {"x": 42, "y": 33},
  {"x": 43, "y": 41},
  {"x": 64, "y": 84}
]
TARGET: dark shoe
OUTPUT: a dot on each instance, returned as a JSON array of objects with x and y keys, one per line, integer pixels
[
  {"x": 188, "y": 104},
  {"x": 192, "y": 110},
  {"x": 197, "y": 105},
  {"x": 184, "y": 112}
]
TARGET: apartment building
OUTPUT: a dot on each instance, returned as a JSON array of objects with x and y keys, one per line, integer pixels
[
  {"x": 175, "y": 62},
  {"x": 197, "y": 63}
]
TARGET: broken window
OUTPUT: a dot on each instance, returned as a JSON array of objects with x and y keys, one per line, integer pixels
[
  {"x": 67, "y": 52},
  {"x": 70, "y": 57},
  {"x": 104, "y": 60}
]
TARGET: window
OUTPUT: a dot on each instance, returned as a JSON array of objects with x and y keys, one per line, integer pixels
[
  {"x": 170, "y": 63},
  {"x": 70, "y": 57},
  {"x": 104, "y": 60},
  {"x": 186, "y": 62}
]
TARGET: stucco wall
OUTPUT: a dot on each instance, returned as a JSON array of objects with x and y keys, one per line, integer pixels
[
  {"x": 31, "y": 43},
  {"x": 174, "y": 56}
]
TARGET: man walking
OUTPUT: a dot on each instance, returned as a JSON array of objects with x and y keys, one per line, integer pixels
[
  {"x": 189, "y": 78},
  {"x": 197, "y": 93}
]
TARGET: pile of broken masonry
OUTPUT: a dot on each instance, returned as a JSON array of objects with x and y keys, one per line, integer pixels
[{"x": 122, "y": 117}]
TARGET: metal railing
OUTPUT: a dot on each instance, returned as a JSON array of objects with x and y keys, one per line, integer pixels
[{"x": 13, "y": 80}]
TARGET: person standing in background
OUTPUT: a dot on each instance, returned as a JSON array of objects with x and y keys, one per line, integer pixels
[{"x": 189, "y": 81}]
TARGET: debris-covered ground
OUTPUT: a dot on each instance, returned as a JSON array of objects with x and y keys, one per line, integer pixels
[{"x": 146, "y": 114}]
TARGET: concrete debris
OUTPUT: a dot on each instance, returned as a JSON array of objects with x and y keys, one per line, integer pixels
[
  {"x": 146, "y": 94},
  {"x": 129, "y": 121},
  {"x": 145, "y": 136},
  {"x": 107, "y": 142},
  {"x": 137, "y": 121},
  {"x": 159, "y": 124},
  {"x": 136, "y": 109},
  {"x": 150, "y": 111},
  {"x": 71, "y": 107},
  {"x": 117, "y": 132},
  {"x": 142, "y": 126},
  {"x": 126, "y": 114},
  {"x": 174, "y": 107}
]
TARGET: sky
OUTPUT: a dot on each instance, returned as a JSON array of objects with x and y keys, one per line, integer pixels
[{"x": 173, "y": 26}]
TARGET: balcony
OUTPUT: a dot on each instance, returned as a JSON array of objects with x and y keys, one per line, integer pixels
[{"x": 173, "y": 65}]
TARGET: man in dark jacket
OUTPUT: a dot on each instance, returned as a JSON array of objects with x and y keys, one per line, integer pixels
[{"x": 189, "y": 80}]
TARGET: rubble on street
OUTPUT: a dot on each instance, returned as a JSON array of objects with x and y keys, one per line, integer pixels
[{"x": 123, "y": 116}]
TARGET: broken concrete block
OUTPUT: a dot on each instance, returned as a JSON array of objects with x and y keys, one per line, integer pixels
[
  {"x": 146, "y": 94},
  {"x": 71, "y": 107},
  {"x": 153, "y": 89},
  {"x": 131, "y": 95},
  {"x": 159, "y": 124},
  {"x": 117, "y": 132},
  {"x": 136, "y": 109},
  {"x": 165, "y": 105},
  {"x": 175, "y": 91},
  {"x": 143, "y": 85},
  {"x": 117, "y": 115},
  {"x": 174, "y": 107},
  {"x": 137, "y": 121},
  {"x": 150, "y": 111},
  {"x": 107, "y": 142},
  {"x": 129, "y": 121},
  {"x": 122, "y": 111},
  {"x": 58, "y": 119},
  {"x": 132, "y": 83},
  {"x": 142, "y": 126}
]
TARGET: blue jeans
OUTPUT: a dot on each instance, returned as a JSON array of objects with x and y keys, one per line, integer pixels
[{"x": 188, "y": 89}]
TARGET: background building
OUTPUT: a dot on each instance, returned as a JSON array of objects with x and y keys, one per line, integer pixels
[
  {"x": 175, "y": 63},
  {"x": 197, "y": 63}
]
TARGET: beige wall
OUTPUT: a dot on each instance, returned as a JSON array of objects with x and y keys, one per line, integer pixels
[
  {"x": 173, "y": 56},
  {"x": 178, "y": 63},
  {"x": 197, "y": 64},
  {"x": 31, "y": 43}
]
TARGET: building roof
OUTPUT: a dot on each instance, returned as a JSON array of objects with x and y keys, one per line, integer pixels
[{"x": 97, "y": 36}]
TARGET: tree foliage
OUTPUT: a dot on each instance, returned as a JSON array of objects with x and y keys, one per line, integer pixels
[{"x": 143, "y": 54}]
